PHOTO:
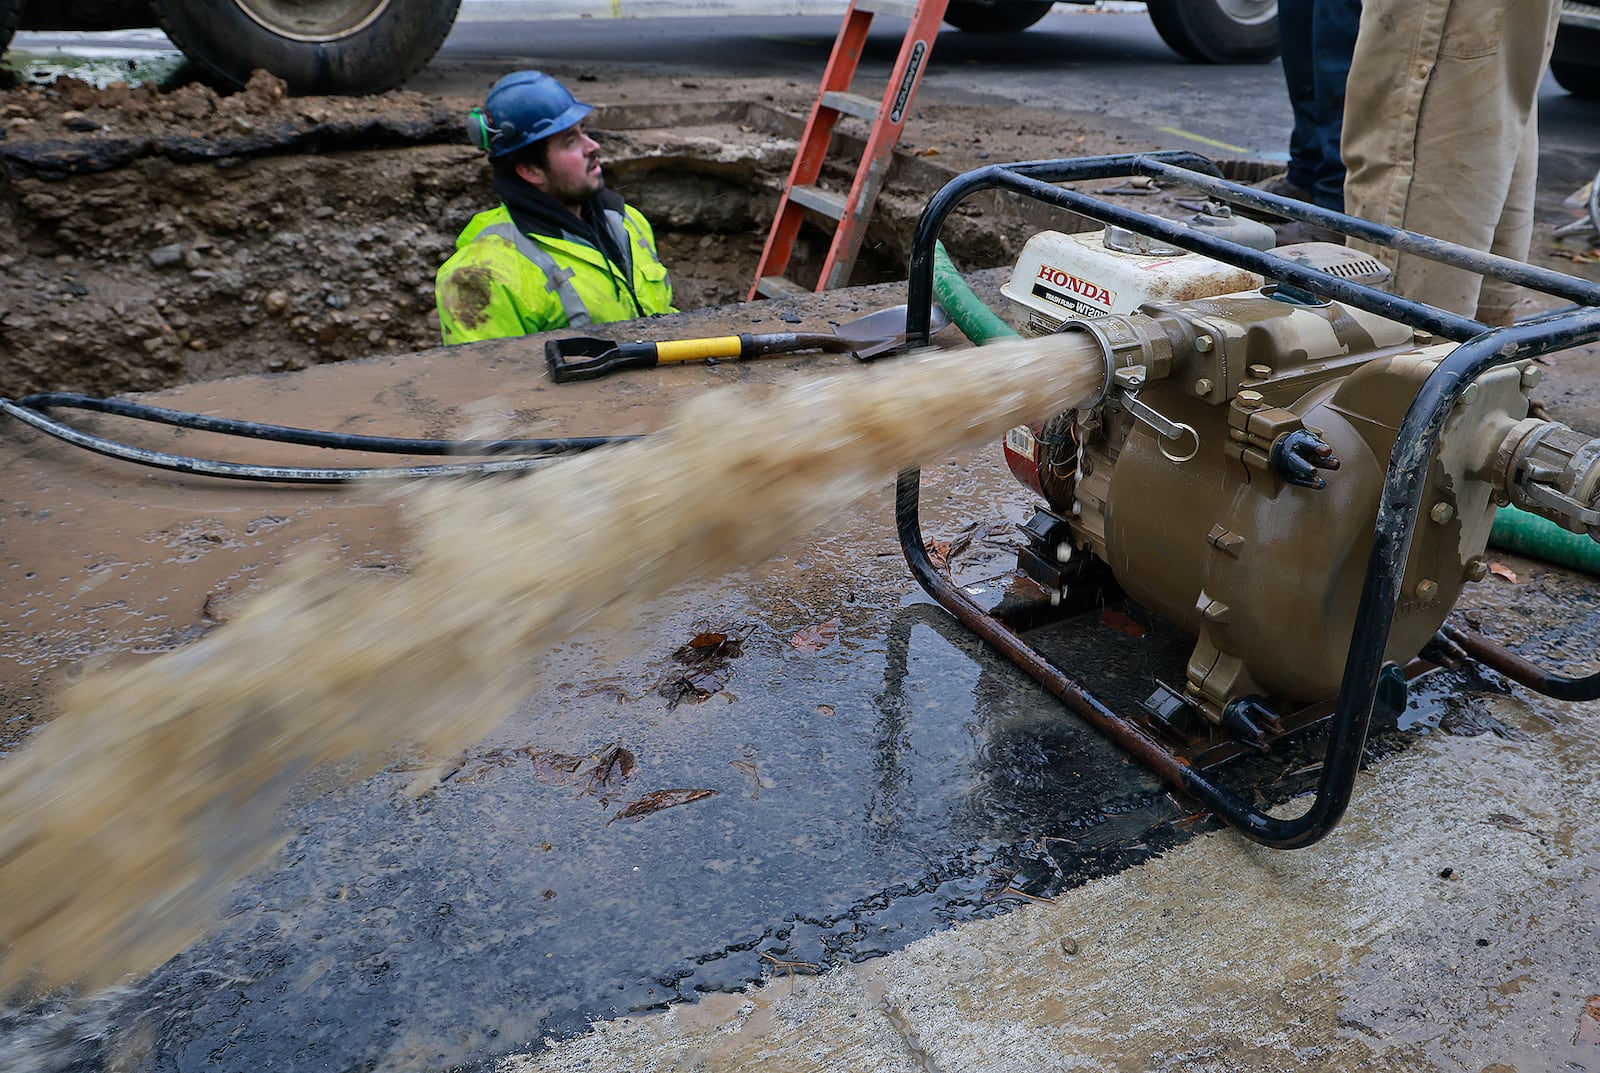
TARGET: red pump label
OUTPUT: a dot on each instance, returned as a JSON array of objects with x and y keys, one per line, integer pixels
[
  {"x": 1060, "y": 287},
  {"x": 1021, "y": 449}
]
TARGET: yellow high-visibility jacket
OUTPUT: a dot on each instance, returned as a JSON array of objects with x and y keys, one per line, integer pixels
[{"x": 501, "y": 282}]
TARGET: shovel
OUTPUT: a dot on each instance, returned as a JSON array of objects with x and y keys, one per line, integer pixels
[{"x": 868, "y": 337}]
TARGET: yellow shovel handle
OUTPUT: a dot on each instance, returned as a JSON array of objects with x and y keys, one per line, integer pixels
[{"x": 721, "y": 346}]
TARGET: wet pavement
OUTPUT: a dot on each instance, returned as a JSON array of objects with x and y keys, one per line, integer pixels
[{"x": 1448, "y": 924}]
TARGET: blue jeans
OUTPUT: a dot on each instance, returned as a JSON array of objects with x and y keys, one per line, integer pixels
[{"x": 1317, "y": 38}]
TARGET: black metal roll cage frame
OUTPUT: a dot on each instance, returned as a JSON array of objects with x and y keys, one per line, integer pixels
[{"x": 1481, "y": 350}]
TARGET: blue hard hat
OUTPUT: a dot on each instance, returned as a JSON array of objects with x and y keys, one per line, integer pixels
[{"x": 522, "y": 108}]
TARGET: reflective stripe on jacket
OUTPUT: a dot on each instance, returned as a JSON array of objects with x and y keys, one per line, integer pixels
[{"x": 501, "y": 282}]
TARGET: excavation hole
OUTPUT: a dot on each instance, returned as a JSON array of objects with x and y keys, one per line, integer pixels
[{"x": 149, "y": 239}]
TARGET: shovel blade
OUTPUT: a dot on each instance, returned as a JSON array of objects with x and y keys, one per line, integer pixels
[{"x": 884, "y": 331}]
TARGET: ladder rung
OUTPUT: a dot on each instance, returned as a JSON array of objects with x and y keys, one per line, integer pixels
[
  {"x": 849, "y": 211},
  {"x": 778, "y": 287},
  {"x": 851, "y": 104},
  {"x": 824, "y": 201},
  {"x": 903, "y": 8}
]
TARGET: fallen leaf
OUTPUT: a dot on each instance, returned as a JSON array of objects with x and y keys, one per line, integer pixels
[
  {"x": 709, "y": 653},
  {"x": 1121, "y": 623},
  {"x": 941, "y": 552},
  {"x": 1589, "y": 1022},
  {"x": 815, "y": 638},
  {"x": 614, "y": 765},
  {"x": 658, "y": 800},
  {"x": 557, "y": 768},
  {"x": 1501, "y": 570},
  {"x": 695, "y": 686},
  {"x": 713, "y": 644},
  {"x": 749, "y": 768},
  {"x": 551, "y": 768}
]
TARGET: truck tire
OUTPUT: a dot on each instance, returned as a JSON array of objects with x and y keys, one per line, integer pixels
[
  {"x": 1575, "y": 63},
  {"x": 10, "y": 19},
  {"x": 1218, "y": 31},
  {"x": 996, "y": 16},
  {"x": 1579, "y": 79},
  {"x": 316, "y": 46}
]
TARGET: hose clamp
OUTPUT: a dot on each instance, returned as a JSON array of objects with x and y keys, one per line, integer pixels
[
  {"x": 1128, "y": 354},
  {"x": 1123, "y": 348}
]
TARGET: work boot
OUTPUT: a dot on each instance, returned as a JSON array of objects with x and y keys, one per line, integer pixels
[
  {"x": 1280, "y": 185},
  {"x": 1289, "y": 232}
]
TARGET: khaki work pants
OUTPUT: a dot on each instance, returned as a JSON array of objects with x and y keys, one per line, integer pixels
[{"x": 1441, "y": 135}]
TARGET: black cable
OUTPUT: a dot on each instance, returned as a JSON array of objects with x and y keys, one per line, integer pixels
[
  {"x": 540, "y": 452},
  {"x": 309, "y": 437}
]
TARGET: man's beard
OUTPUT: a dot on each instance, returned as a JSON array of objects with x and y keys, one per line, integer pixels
[{"x": 579, "y": 192}]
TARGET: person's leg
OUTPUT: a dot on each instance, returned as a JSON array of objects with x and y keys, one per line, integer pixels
[
  {"x": 1439, "y": 101},
  {"x": 1497, "y": 300},
  {"x": 1333, "y": 42},
  {"x": 1383, "y": 98},
  {"x": 1299, "y": 75}
]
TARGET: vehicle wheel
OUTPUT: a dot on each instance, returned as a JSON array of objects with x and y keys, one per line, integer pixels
[
  {"x": 1578, "y": 79},
  {"x": 10, "y": 19},
  {"x": 996, "y": 16},
  {"x": 1218, "y": 31},
  {"x": 316, "y": 46}
]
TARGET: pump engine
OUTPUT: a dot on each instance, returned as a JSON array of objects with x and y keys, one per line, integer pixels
[{"x": 1230, "y": 478}]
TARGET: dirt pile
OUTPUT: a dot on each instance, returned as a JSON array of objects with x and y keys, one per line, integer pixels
[
  {"x": 155, "y": 238},
  {"x": 73, "y": 121}
]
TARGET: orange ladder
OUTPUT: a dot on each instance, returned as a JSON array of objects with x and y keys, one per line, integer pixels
[{"x": 847, "y": 213}]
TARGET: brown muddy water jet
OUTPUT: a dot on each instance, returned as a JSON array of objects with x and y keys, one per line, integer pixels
[{"x": 128, "y": 816}]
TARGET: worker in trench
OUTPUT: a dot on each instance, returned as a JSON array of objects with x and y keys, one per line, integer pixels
[{"x": 561, "y": 250}]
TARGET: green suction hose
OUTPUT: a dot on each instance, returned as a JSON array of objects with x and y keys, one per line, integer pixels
[
  {"x": 1514, "y": 530},
  {"x": 977, "y": 321},
  {"x": 1540, "y": 538}
]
